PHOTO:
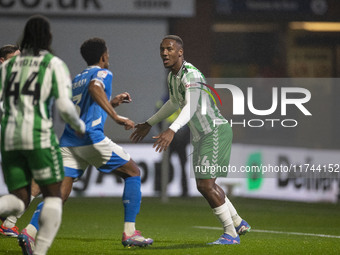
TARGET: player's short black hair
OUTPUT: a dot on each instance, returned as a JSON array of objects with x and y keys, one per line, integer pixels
[
  {"x": 37, "y": 34},
  {"x": 176, "y": 38},
  {"x": 92, "y": 49},
  {"x": 8, "y": 49}
]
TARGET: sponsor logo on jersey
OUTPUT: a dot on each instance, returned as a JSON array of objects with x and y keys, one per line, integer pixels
[
  {"x": 102, "y": 74},
  {"x": 197, "y": 85}
]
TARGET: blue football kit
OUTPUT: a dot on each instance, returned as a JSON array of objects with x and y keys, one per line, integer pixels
[{"x": 90, "y": 112}]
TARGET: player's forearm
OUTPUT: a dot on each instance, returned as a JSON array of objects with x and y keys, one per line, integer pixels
[
  {"x": 69, "y": 114},
  {"x": 188, "y": 110},
  {"x": 100, "y": 98},
  {"x": 182, "y": 119},
  {"x": 166, "y": 110}
]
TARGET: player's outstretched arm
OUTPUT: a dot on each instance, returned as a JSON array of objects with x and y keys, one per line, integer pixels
[
  {"x": 140, "y": 132},
  {"x": 98, "y": 94},
  {"x": 121, "y": 98}
]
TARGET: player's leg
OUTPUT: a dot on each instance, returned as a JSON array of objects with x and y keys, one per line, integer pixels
[
  {"x": 33, "y": 227},
  {"x": 224, "y": 139},
  {"x": 50, "y": 217},
  {"x": 17, "y": 178},
  {"x": 214, "y": 150},
  {"x": 49, "y": 182},
  {"x": 14, "y": 203},
  {"x": 241, "y": 226},
  {"x": 113, "y": 157},
  {"x": 74, "y": 168},
  {"x": 215, "y": 197},
  {"x": 30, "y": 231},
  {"x": 132, "y": 197},
  {"x": 8, "y": 227}
]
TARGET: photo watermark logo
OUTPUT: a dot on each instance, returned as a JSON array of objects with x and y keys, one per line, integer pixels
[{"x": 281, "y": 97}]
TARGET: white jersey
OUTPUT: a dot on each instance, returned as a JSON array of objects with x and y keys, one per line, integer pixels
[
  {"x": 28, "y": 86},
  {"x": 190, "y": 79}
]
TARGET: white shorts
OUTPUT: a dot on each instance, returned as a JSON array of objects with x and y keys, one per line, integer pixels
[{"x": 106, "y": 156}]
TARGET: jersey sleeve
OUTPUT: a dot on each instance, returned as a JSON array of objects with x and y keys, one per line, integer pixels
[
  {"x": 166, "y": 110},
  {"x": 61, "y": 79},
  {"x": 102, "y": 77},
  {"x": 192, "y": 95}
]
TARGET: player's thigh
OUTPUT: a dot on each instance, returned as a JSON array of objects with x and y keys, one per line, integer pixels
[
  {"x": 107, "y": 156},
  {"x": 74, "y": 161},
  {"x": 46, "y": 165},
  {"x": 15, "y": 170},
  {"x": 212, "y": 153}
]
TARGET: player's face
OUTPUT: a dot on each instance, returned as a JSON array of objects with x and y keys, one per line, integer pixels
[{"x": 171, "y": 54}]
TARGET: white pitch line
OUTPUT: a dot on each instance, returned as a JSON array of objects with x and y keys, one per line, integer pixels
[{"x": 274, "y": 232}]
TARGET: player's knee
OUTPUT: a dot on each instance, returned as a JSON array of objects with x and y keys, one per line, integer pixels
[
  {"x": 204, "y": 187},
  {"x": 130, "y": 169}
]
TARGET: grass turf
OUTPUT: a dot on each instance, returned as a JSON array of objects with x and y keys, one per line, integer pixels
[{"x": 94, "y": 226}]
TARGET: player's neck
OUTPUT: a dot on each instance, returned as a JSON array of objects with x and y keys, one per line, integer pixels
[{"x": 175, "y": 69}]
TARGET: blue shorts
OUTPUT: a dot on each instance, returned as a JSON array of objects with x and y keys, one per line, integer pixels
[{"x": 106, "y": 156}]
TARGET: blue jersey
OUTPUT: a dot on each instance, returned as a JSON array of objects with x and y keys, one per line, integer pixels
[{"x": 89, "y": 111}]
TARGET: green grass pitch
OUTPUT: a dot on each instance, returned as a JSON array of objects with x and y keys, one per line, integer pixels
[{"x": 94, "y": 226}]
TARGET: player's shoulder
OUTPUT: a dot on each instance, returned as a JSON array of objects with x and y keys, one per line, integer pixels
[
  {"x": 103, "y": 73},
  {"x": 54, "y": 58},
  {"x": 190, "y": 72},
  {"x": 189, "y": 68},
  {"x": 56, "y": 62},
  {"x": 99, "y": 73}
]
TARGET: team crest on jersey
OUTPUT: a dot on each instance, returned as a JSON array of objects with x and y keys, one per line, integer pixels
[{"x": 102, "y": 74}]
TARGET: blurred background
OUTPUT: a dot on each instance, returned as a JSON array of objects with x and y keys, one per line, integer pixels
[{"x": 262, "y": 39}]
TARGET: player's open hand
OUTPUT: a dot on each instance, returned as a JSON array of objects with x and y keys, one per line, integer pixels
[
  {"x": 140, "y": 132},
  {"x": 163, "y": 140}
]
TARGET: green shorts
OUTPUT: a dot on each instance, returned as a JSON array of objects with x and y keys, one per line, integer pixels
[
  {"x": 211, "y": 153},
  {"x": 20, "y": 166}
]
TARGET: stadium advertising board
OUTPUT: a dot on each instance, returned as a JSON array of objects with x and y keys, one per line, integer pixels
[
  {"x": 285, "y": 173},
  {"x": 153, "y": 8},
  {"x": 281, "y": 173}
]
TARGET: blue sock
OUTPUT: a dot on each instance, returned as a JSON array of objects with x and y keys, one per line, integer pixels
[
  {"x": 132, "y": 197},
  {"x": 36, "y": 215}
]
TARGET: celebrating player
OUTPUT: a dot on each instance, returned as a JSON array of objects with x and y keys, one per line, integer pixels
[
  {"x": 211, "y": 143},
  {"x": 91, "y": 92},
  {"x": 29, "y": 147}
]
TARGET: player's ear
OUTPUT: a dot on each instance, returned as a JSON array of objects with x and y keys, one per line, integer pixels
[
  {"x": 180, "y": 52},
  {"x": 102, "y": 58}
]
